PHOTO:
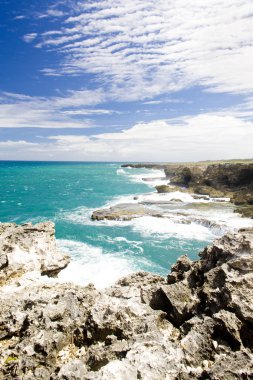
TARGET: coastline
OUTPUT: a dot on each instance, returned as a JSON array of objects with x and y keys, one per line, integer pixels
[
  {"x": 196, "y": 323},
  {"x": 232, "y": 179},
  {"x": 189, "y": 195}
]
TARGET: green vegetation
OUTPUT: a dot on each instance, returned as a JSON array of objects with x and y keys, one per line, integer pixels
[{"x": 10, "y": 359}]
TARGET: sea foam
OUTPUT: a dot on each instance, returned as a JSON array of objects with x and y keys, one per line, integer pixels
[{"x": 92, "y": 265}]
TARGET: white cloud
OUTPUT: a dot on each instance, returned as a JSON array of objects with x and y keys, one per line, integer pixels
[
  {"x": 91, "y": 112},
  {"x": 51, "y": 12},
  {"x": 141, "y": 49},
  {"x": 20, "y": 17},
  {"x": 167, "y": 101},
  {"x": 55, "y": 13},
  {"x": 18, "y": 110},
  {"x": 30, "y": 37},
  {"x": 201, "y": 137}
]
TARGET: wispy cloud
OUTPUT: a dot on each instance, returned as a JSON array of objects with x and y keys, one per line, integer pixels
[
  {"x": 143, "y": 49},
  {"x": 91, "y": 112},
  {"x": 20, "y": 17},
  {"x": 30, "y": 37},
  {"x": 53, "y": 11},
  {"x": 167, "y": 101},
  {"x": 18, "y": 110}
]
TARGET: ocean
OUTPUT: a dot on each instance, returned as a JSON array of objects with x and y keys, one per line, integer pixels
[{"x": 104, "y": 251}]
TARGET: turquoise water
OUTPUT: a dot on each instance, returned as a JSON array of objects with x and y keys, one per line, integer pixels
[{"x": 66, "y": 193}]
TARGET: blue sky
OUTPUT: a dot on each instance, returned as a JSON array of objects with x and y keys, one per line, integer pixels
[{"x": 126, "y": 80}]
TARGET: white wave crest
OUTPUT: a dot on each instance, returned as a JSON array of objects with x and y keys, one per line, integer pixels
[
  {"x": 121, "y": 172},
  {"x": 151, "y": 177},
  {"x": 165, "y": 228},
  {"x": 91, "y": 265}
]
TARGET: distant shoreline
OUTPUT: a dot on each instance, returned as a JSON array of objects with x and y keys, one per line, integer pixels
[{"x": 205, "y": 162}]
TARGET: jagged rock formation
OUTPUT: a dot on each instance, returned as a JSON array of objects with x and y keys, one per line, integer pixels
[
  {"x": 29, "y": 248},
  {"x": 196, "y": 324},
  {"x": 224, "y": 177}
]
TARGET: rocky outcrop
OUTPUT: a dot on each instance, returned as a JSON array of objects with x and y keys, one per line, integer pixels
[
  {"x": 124, "y": 212},
  {"x": 218, "y": 176},
  {"x": 234, "y": 181},
  {"x": 204, "y": 192},
  {"x": 184, "y": 175},
  {"x": 29, "y": 248},
  {"x": 228, "y": 176},
  {"x": 196, "y": 324},
  {"x": 145, "y": 166}
]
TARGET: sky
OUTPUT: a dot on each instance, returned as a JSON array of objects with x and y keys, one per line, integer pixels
[{"x": 126, "y": 80}]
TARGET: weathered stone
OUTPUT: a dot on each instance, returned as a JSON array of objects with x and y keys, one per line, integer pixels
[
  {"x": 29, "y": 248},
  {"x": 228, "y": 326},
  {"x": 169, "y": 189},
  {"x": 245, "y": 210},
  {"x": 179, "y": 302},
  {"x": 231, "y": 366},
  {"x": 126, "y": 211},
  {"x": 178, "y": 270},
  {"x": 229, "y": 180},
  {"x": 73, "y": 370},
  {"x": 211, "y": 192},
  {"x": 197, "y": 344}
]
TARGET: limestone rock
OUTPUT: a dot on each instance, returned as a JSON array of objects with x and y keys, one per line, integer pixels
[
  {"x": 178, "y": 302},
  {"x": 28, "y": 248},
  {"x": 125, "y": 211}
]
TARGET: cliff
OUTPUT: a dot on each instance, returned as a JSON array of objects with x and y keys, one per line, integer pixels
[
  {"x": 196, "y": 324},
  {"x": 234, "y": 181}
]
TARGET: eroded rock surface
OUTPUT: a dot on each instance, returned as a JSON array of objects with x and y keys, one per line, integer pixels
[
  {"x": 196, "y": 324},
  {"x": 29, "y": 248},
  {"x": 124, "y": 212}
]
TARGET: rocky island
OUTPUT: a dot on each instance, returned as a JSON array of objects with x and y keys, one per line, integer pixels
[{"x": 195, "y": 324}]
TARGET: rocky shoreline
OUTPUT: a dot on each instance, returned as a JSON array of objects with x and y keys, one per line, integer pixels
[
  {"x": 229, "y": 180},
  {"x": 212, "y": 196},
  {"x": 195, "y": 324}
]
